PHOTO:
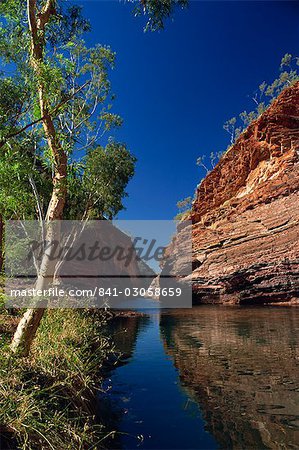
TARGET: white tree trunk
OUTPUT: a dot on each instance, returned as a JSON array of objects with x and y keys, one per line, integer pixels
[{"x": 37, "y": 20}]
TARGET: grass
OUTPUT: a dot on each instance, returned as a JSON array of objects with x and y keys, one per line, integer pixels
[{"x": 48, "y": 400}]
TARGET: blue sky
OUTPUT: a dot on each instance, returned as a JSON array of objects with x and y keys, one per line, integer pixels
[{"x": 176, "y": 88}]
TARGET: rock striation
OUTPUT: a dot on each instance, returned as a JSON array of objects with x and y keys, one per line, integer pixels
[{"x": 245, "y": 230}]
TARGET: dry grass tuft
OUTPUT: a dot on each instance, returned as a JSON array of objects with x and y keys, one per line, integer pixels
[{"x": 47, "y": 401}]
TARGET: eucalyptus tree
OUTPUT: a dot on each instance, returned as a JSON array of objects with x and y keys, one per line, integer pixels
[{"x": 62, "y": 100}]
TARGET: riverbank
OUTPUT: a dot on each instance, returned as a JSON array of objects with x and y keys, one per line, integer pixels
[{"x": 48, "y": 400}]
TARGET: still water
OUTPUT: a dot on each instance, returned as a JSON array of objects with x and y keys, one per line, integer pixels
[{"x": 206, "y": 378}]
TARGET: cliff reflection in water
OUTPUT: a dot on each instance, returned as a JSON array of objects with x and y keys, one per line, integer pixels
[{"x": 241, "y": 367}]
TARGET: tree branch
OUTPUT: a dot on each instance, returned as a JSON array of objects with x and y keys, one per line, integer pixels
[
  {"x": 31, "y": 6},
  {"x": 31, "y": 124},
  {"x": 47, "y": 11}
]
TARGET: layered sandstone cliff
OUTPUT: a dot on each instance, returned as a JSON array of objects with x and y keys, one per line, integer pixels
[{"x": 245, "y": 217}]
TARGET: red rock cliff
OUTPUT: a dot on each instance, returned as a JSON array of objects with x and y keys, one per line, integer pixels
[{"x": 245, "y": 216}]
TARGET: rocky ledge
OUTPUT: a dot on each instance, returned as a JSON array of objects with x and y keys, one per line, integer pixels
[{"x": 245, "y": 228}]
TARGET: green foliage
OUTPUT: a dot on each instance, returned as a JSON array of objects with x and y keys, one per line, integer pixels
[
  {"x": 247, "y": 118},
  {"x": 97, "y": 184},
  {"x": 289, "y": 74},
  {"x": 13, "y": 99},
  {"x": 17, "y": 168},
  {"x": 67, "y": 25},
  {"x": 184, "y": 206},
  {"x": 156, "y": 11},
  {"x": 265, "y": 94},
  {"x": 213, "y": 159},
  {"x": 79, "y": 98},
  {"x": 47, "y": 401},
  {"x": 86, "y": 115},
  {"x": 107, "y": 173},
  {"x": 230, "y": 127}
]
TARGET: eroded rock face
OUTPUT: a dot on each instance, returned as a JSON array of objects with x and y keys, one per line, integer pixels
[{"x": 245, "y": 217}]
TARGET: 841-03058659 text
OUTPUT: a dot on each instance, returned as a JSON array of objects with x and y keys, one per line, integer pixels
[
  {"x": 141, "y": 292},
  {"x": 98, "y": 291}
]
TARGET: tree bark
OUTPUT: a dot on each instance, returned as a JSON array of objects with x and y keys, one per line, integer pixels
[
  {"x": 1, "y": 243},
  {"x": 37, "y": 21},
  {"x": 26, "y": 331},
  {"x": 29, "y": 323}
]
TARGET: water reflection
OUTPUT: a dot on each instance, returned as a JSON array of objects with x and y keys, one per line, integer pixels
[
  {"x": 145, "y": 402},
  {"x": 241, "y": 367}
]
